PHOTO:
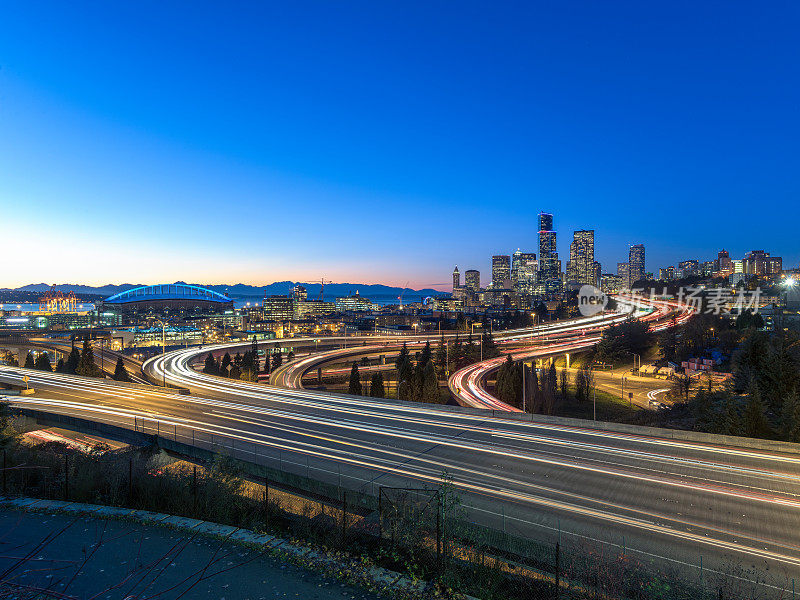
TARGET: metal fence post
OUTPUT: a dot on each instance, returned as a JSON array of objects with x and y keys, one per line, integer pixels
[
  {"x": 380, "y": 516},
  {"x": 66, "y": 477},
  {"x": 439, "y": 509},
  {"x": 344, "y": 519},
  {"x": 558, "y": 569}
]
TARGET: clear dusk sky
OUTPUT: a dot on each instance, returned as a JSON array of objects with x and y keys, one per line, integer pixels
[{"x": 389, "y": 141}]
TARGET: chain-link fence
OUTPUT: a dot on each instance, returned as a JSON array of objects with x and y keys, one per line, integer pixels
[{"x": 432, "y": 532}]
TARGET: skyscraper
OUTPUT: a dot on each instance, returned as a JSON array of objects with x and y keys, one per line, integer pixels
[
  {"x": 549, "y": 269},
  {"x": 456, "y": 279},
  {"x": 523, "y": 271},
  {"x": 624, "y": 278},
  {"x": 515, "y": 267},
  {"x": 501, "y": 271},
  {"x": 472, "y": 280},
  {"x": 581, "y": 266},
  {"x": 635, "y": 264},
  {"x": 724, "y": 262}
]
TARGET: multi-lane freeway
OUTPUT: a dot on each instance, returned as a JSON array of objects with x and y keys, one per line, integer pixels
[
  {"x": 663, "y": 500},
  {"x": 468, "y": 384}
]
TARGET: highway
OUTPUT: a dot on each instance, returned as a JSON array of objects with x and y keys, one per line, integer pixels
[
  {"x": 290, "y": 375},
  {"x": 468, "y": 384},
  {"x": 664, "y": 501},
  {"x": 661, "y": 499},
  {"x": 104, "y": 358}
]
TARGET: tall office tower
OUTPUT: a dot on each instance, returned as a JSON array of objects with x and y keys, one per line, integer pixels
[
  {"x": 299, "y": 293},
  {"x": 636, "y": 264},
  {"x": 549, "y": 265},
  {"x": 689, "y": 267},
  {"x": 623, "y": 274},
  {"x": 724, "y": 263},
  {"x": 501, "y": 271},
  {"x": 581, "y": 267},
  {"x": 515, "y": 267},
  {"x": 456, "y": 279},
  {"x": 472, "y": 280},
  {"x": 523, "y": 272}
]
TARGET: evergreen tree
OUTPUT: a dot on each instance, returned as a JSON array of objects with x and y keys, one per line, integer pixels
[
  {"x": 426, "y": 354},
  {"x": 430, "y": 384},
  {"x": 43, "y": 362},
  {"x": 584, "y": 380},
  {"x": 30, "y": 362},
  {"x": 60, "y": 365},
  {"x": 533, "y": 404},
  {"x": 508, "y": 383},
  {"x": 755, "y": 419},
  {"x": 730, "y": 424},
  {"x": 237, "y": 360},
  {"x": 255, "y": 363},
  {"x": 223, "y": 367},
  {"x": 73, "y": 360},
  {"x": 86, "y": 366},
  {"x": 354, "y": 385},
  {"x": 277, "y": 359},
  {"x": 457, "y": 355},
  {"x": 563, "y": 383},
  {"x": 120, "y": 372},
  {"x": 781, "y": 373},
  {"x": 405, "y": 375},
  {"x": 550, "y": 387},
  {"x": 490, "y": 349},
  {"x": 290, "y": 356},
  {"x": 402, "y": 356},
  {"x": 376, "y": 387},
  {"x": 790, "y": 417},
  {"x": 441, "y": 355},
  {"x": 750, "y": 362},
  {"x": 210, "y": 366}
]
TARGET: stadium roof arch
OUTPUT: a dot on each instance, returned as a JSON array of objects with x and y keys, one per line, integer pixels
[
  {"x": 167, "y": 291},
  {"x": 167, "y": 298}
]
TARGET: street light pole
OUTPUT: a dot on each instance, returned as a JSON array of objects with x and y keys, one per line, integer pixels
[{"x": 163, "y": 349}]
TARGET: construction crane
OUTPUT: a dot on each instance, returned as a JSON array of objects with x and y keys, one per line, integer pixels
[
  {"x": 56, "y": 301},
  {"x": 321, "y": 286},
  {"x": 403, "y": 291}
]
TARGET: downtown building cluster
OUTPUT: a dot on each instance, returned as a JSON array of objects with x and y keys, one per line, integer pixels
[
  {"x": 523, "y": 278},
  {"x": 755, "y": 264}
]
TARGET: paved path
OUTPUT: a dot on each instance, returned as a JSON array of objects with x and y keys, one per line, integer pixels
[{"x": 89, "y": 557}]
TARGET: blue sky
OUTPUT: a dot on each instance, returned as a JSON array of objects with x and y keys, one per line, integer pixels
[{"x": 387, "y": 142}]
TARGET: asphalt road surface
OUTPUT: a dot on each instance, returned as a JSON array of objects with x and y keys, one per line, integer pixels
[{"x": 665, "y": 501}]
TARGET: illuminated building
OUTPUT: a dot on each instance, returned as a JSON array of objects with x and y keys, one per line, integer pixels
[
  {"x": 549, "y": 265},
  {"x": 501, "y": 271}
]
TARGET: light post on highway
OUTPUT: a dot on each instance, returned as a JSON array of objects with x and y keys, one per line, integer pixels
[
  {"x": 473, "y": 333},
  {"x": 523, "y": 386},
  {"x": 635, "y": 356},
  {"x": 163, "y": 348}
]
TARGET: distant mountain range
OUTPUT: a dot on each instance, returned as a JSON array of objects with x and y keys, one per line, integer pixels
[{"x": 243, "y": 291}]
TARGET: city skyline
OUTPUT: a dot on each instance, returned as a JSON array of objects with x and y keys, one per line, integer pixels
[{"x": 300, "y": 157}]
